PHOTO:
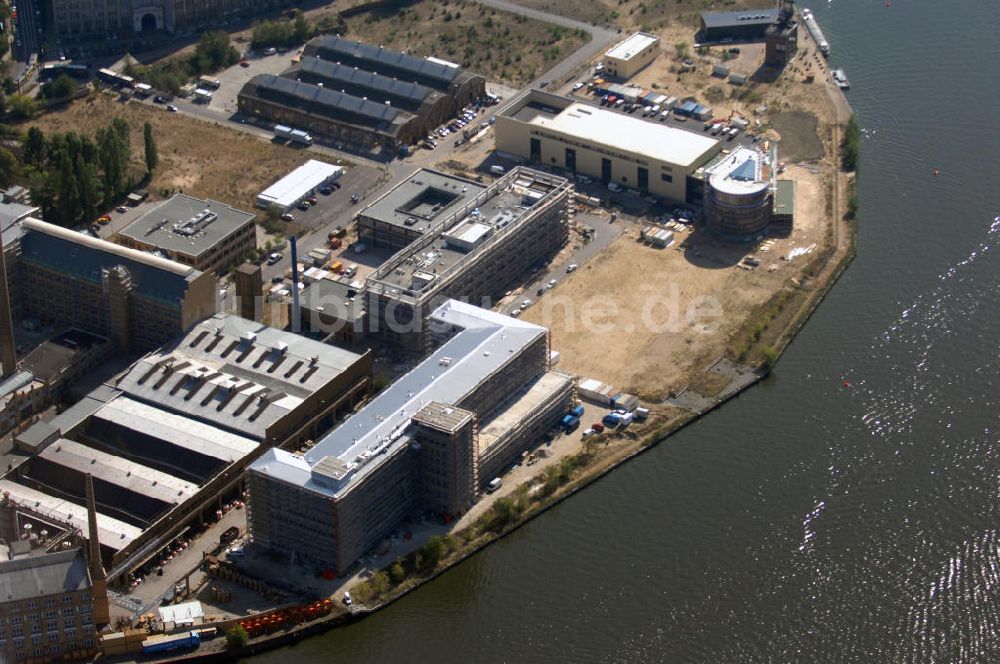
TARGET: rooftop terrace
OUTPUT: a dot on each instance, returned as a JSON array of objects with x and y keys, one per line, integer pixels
[{"x": 422, "y": 201}]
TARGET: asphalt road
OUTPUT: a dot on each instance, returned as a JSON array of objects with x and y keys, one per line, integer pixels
[
  {"x": 606, "y": 232},
  {"x": 27, "y": 35},
  {"x": 600, "y": 40}
]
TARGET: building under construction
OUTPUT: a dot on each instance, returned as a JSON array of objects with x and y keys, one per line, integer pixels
[
  {"x": 167, "y": 441},
  {"x": 739, "y": 193},
  {"x": 429, "y": 442},
  {"x": 138, "y": 300},
  {"x": 476, "y": 252}
]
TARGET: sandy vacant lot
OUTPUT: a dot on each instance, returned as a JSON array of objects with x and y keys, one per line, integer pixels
[
  {"x": 644, "y": 319},
  {"x": 199, "y": 158}
]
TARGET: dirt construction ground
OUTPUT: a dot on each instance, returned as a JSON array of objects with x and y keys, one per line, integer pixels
[
  {"x": 199, "y": 158},
  {"x": 645, "y": 320}
]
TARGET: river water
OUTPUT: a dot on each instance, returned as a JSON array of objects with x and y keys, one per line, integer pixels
[{"x": 846, "y": 509}]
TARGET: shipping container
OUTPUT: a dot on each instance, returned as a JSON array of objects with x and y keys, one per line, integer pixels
[
  {"x": 611, "y": 420},
  {"x": 577, "y": 411},
  {"x": 169, "y": 642},
  {"x": 625, "y": 401}
]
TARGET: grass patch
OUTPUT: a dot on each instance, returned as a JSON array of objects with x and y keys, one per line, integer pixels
[
  {"x": 195, "y": 157},
  {"x": 503, "y": 47}
]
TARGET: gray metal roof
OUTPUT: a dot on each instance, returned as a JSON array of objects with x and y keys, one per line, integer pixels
[
  {"x": 383, "y": 61},
  {"x": 58, "y": 353},
  {"x": 422, "y": 200},
  {"x": 236, "y": 374},
  {"x": 38, "y": 576},
  {"x": 739, "y": 18},
  {"x": 85, "y": 257},
  {"x": 484, "y": 343},
  {"x": 118, "y": 471},
  {"x": 322, "y": 102},
  {"x": 68, "y": 419},
  {"x": 188, "y": 225},
  {"x": 113, "y": 533},
  {"x": 176, "y": 429},
  {"x": 15, "y": 382},
  {"x": 360, "y": 83},
  {"x": 334, "y": 298},
  {"x": 12, "y": 212}
]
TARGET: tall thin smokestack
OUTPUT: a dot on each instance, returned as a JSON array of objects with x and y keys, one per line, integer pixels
[
  {"x": 98, "y": 577},
  {"x": 8, "y": 354},
  {"x": 296, "y": 315}
]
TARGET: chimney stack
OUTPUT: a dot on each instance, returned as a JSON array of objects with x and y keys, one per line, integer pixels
[
  {"x": 98, "y": 577},
  {"x": 8, "y": 352},
  {"x": 296, "y": 314}
]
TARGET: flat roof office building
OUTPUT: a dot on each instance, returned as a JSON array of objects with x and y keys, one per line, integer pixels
[
  {"x": 416, "y": 446},
  {"x": 205, "y": 234},
  {"x": 414, "y": 207},
  {"x": 476, "y": 252},
  {"x": 173, "y": 434},
  {"x": 139, "y": 300},
  {"x": 650, "y": 157},
  {"x": 629, "y": 56}
]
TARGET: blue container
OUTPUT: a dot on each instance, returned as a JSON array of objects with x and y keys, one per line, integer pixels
[
  {"x": 611, "y": 420},
  {"x": 577, "y": 412}
]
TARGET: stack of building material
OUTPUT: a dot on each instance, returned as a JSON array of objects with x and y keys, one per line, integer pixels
[{"x": 595, "y": 391}]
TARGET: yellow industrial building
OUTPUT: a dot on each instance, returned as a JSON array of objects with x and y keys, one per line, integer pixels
[
  {"x": 646, "y": 156},
  {"x": 629, "y": 56}
]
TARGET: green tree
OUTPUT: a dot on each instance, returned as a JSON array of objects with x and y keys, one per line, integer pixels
[
  {"x": 769, "y": 356},
  {"x": 67, "y": 206},
  {"x": 503, "y": 512},
  {"x": 22, "y": 106},
  {"x": 150, "y": 147},
  {"x": 431, "y": 552},
  {"x": 9, "y": 168},
  {"x": 851, "y": 145},
  {"x": 379, "y": 582},
  {"x": 213, "y": 52},
  {"x": 302, "y": 28},
  {"x": 33, "y": 148},
  {"x": 397, "y": 572},
  {"x": 60, "y": 88},
  {"x": 88, "y": 186},
  {"x": 237, "y": 637},
  {"x": 682, "y": 50}
]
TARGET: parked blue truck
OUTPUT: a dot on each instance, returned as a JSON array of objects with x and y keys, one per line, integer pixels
[{"x": 570, "y": 423}]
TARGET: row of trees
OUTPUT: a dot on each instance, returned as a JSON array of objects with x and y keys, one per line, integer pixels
[
  {"x": 285, "y": 33},
  {"x": 851, "y": 145},
  {"x": 72, "y": 176},
  {"x": 213, "y": 52}
]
